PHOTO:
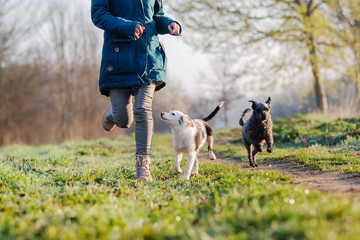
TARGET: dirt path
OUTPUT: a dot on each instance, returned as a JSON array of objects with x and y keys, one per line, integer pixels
[{"x": 341, "y": 183}]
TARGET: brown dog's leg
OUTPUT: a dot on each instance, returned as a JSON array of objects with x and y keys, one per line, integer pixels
[
  {"x": 249, "y": 147},
  {"x": 254, "y": 152}
]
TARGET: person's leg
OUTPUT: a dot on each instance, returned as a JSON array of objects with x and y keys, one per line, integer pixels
[
  {"x": 144, "y": 130},
  {"x": 121, "y": 111},
  {"x": 143, "y": 118}
]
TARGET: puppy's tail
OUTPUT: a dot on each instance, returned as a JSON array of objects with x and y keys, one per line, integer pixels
[
  {"x": 208, "y": 118},
  {"x": 243, "y": 117}
]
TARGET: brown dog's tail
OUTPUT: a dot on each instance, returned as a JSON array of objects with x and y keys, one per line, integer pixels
[
  {"x": 208, "y": 118},
  {"x": 243, "y": 117}
]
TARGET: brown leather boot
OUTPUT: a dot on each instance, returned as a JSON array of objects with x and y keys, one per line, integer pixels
[
  {"x": 108, "y": 120},
  {"x": 143, "y": 168}
]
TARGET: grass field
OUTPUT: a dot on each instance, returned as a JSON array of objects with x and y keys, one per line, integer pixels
[{"x": 88, "y": 190}]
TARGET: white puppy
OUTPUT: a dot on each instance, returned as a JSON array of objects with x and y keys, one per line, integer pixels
[{"x": 189, "y": 135}]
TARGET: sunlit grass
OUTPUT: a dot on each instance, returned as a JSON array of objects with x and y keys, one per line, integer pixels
[
  {"x": 88, "y": 190},
  {"x": 327, "y": 146}
]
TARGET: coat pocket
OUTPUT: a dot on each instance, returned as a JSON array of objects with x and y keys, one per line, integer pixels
[
  {"x": 160, "y": 60},
  {"x": 118, "y": 58},
  {"x": 163, "y": 54}
]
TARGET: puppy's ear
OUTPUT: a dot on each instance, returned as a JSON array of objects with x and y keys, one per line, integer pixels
[
  {"x": 191, "y": 123},
  {"x": 268, "y": 101},
  {"x": 187, "y": 120},
  {"x": 253, "y": 104}
]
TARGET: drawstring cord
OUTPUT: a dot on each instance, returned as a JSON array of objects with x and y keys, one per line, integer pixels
[{"x": 144, "y": 81}]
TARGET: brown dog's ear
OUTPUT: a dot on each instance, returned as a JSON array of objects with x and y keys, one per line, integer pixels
[
  {"x": 253, "y": 104},
  {"x": 268, "y": 101}
]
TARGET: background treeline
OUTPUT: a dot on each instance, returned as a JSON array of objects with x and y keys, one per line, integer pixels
[
  {"x": 285, "y": 44},
  {"x": 305, "y": 53},
  {"x": 48, "y": 71},
  {"x": 49, "y": 59}
]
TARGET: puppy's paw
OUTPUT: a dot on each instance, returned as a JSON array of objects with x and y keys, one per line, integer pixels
[
  {"x": 260, "y": 149},
  {"x": 269, "y": 150},
  {"x": 179, "y": 170},
  {"x": 212, "y": 156},
  {"x": 194, "y": 174},
  {"x": 186, "y": 177}
]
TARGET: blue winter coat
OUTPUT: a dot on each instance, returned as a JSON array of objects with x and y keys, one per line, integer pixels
[{"x": 128, "y": 63}]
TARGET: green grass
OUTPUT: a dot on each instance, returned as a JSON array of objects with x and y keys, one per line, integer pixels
[
  {"x": 88, "y": 190},
  {"x": 309, "y": 140},
  {"x": 303, "y": 131}
]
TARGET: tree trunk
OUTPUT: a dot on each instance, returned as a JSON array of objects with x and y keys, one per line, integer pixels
[
  {"x": 357, "y": 88},
  {"x": 355, "y": 49},
  {"x": 320, "y": 94},
  {"x": 226, "y": 119},
  {"x": 357, "y": 81}
]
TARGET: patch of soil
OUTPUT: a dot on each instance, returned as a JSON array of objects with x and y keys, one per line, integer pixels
[{"x": 342, "y": 183}]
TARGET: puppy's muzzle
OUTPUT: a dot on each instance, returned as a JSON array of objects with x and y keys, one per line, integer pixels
[{"x": 162, "y": 116}]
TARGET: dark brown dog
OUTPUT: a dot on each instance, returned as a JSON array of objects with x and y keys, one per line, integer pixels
[{"x": 257, "y": 130}]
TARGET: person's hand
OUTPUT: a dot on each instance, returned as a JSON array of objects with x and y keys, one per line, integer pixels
[
  {"x": 138, "y": 31},
  {"x": 174, "y": 28}
]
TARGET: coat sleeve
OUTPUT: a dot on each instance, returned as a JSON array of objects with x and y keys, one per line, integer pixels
[
  {"x": 161, "y": 20},
  {"x": 102, "y": 18}
]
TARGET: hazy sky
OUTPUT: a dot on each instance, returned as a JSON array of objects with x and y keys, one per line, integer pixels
[{"x": 184, "y": 63}]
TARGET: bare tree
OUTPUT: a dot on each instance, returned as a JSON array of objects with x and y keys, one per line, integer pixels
[
  {"x": 49, "y": 79},
  {"x": 76, "y": 61},
  {"x": 346, "y": 27},
  {"x": 222, "y": 84},
  {"x": 60, "y": 32},
  {"x": 15, "y": 30},
  {"x": 16, "y": 77}
]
